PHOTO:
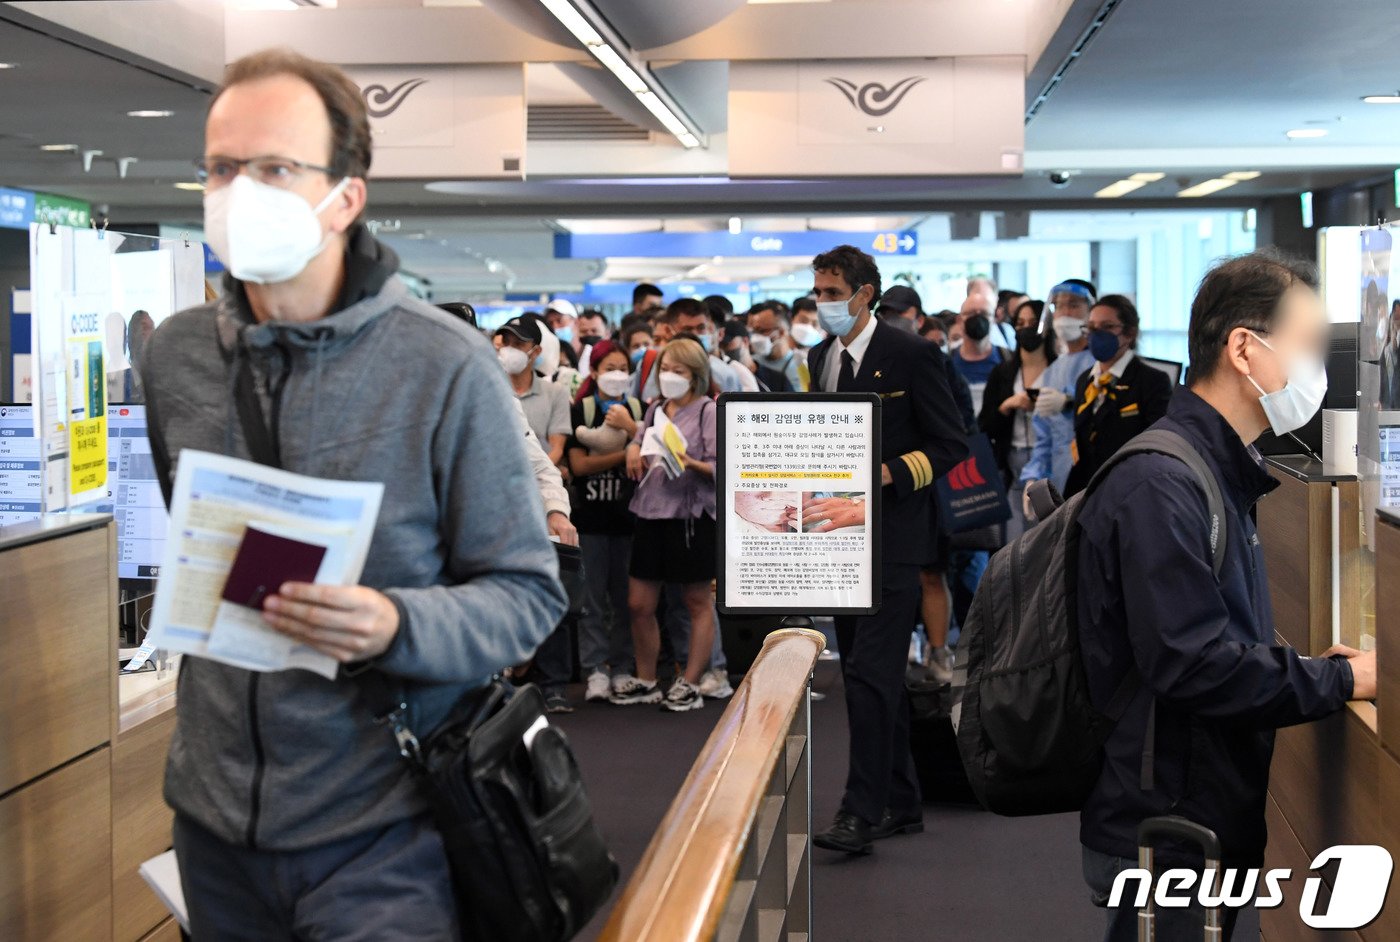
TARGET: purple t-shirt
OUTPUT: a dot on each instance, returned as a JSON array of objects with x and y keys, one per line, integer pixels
[{"x": 692, "y": 494}]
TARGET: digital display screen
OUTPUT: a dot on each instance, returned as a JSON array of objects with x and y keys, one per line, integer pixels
[{"x": 133, "y": 494}]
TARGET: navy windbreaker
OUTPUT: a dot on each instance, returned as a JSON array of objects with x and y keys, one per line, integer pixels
[{"x": 1205, "y": 649}]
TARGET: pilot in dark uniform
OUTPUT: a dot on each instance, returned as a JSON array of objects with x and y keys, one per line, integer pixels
[
  {"x": 1116, "y": 398},
  {"x": 921, "y": 440}
]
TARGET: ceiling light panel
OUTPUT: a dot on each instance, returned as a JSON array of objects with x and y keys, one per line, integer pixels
[
  {"x": 1121, "y": 188},
  {"x": 589, "y": 28},
  {"x": 1206, "y": 188}
]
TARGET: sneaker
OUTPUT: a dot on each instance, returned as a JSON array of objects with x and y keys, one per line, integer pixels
[
  {"x": 683, "y": 696},
  {"x": 620, "y": 681},
  {"x": 715, "y": 685},
  {"x": 635, "y": 691},
  {"x": 556, "y": 703},
  {"x": 599, "y": 687},
  {"x": 940, "y": 665}
]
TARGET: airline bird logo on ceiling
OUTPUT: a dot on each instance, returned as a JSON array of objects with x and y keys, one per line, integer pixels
[
  {"x": 381, "y": 102},
  {"x": 871, "y": 97}
]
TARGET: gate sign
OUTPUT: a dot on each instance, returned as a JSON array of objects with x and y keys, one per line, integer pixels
[
  {"x": 743, "y": 244},
  {"x": 798, "y": 503}
]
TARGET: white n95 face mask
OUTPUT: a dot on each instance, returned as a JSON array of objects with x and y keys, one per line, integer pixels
[
  {"x": 1290, "y": 408},
  {"x": 760, "y": 345},
  {"x": 613, "y": 383},
  {"x": 673, "y": 385},
  {"x": 513, "y": 361},
  {"x": 806, "y": 335},
  {"x": 1069, "y": 329},
  {"x": 264, "y": 235}
]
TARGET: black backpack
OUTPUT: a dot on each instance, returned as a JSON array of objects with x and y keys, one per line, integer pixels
[{"x": 1030, "y": 739}]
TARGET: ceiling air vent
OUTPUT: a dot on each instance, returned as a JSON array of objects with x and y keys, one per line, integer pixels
[{"x": 580, "y": 123}]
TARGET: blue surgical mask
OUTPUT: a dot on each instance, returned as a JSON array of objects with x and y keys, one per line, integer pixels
[
  {"x": 836, "y": 317},
  {"x": 707, "y": 341},
  {"x": 637, "y": 355},
  {"x": 565, "y": 334}
]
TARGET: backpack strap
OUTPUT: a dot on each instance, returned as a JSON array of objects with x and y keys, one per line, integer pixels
[{"x": 1163, "y": 441}]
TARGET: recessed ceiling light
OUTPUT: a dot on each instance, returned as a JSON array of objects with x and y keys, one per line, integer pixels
[
  {"x": 1207, "y": 187},
  {"x": 1298, "y": 134},
  {"x": 190, "y": 185},
  {"x": 1241, "y": 175},
  {"x": 59, "y": 148},
  {"x": 9, "y": 65},
  {"x": 1382, "y": 99},
  {"x": 1147, "y": 177},
  {"x": 149, "y": 114}
]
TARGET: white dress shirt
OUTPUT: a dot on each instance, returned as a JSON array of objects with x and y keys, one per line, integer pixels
[{"x": 832, "y": 368}]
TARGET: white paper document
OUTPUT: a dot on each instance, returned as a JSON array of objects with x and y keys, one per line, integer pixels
[
  {"x": 162, "y": 875},
  {"x": 215, "y": 501}
]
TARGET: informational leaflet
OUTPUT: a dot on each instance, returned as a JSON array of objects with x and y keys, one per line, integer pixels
[
  {"x": 134, "y": 497},
  {"x": 21, "y": 484},
  {"x": 664, "y": 443},
  {"x": 87, "y": 398},
  {"x": 216, "y": 501},
  {"x": 799, "y": 492}
]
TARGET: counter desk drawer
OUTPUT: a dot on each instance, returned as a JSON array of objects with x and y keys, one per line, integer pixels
[
  {"x": 56, "y": 882},
  {"x": 59, "y": 648}
]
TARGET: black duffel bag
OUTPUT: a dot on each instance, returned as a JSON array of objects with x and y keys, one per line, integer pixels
[{"x": 528, "y": 863}]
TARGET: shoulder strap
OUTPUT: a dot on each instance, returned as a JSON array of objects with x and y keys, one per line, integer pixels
[
  {"x": 1166, "y": 442},
  {"x": 261, "y": 445}
]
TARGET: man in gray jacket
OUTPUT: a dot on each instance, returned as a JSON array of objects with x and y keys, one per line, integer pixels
[{"x": 295, "y": 817}]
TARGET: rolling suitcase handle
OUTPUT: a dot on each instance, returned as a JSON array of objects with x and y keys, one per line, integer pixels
[{"x": 1178, "y": 827}]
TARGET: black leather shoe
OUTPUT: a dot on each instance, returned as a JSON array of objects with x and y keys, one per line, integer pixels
[
  {"x": 847, "y": 833},
  {"x": 890, "y": 825}
]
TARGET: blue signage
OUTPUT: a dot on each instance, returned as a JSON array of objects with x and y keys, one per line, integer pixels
[
  {"x": 16, "y": 208},
  {"x": 212, "y": 265},
  {"x": 744, "y": 244}
]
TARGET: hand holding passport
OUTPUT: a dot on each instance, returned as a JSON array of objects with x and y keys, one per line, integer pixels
[{"x": 265, "y": 561}]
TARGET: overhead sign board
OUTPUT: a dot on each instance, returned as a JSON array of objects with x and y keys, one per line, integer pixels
[
  {"x": 708, "y": 244},
  {"x": 962, "y": 116},
  {"x": 445, "y": 121},
  {"x": 16, "y": 208},
  {"x": 62, "y": 210}
]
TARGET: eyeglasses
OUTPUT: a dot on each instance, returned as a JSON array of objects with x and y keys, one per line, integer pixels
[
  {"x": 1110, "y": 328},
  {"x": 281, "y": 172}
]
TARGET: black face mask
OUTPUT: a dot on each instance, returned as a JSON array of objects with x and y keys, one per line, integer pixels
[
  {"x": 977, "y": 327},
  {"x": 1030, "y": 339}
]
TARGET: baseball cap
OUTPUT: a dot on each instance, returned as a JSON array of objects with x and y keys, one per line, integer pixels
[
  {"x": 563, "y": 306},
  {"x": 900, "y": 298},
  {"x": 524, "y": 328}
]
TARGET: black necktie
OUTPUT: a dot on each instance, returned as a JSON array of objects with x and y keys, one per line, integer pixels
[{"x": 847, "y": 377}]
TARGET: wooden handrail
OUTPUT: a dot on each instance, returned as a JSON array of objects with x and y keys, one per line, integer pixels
[{"x": 679, "y": 889}]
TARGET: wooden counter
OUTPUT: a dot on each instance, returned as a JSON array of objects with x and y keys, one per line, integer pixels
[
  {"x": 82, "y": 753},
  {"x": 1336, "y": 781}
]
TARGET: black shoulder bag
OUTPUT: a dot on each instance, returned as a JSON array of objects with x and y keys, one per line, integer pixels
[{"x": 528, "y": 863}]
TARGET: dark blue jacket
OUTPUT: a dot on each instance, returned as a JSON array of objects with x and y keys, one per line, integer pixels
[{"x": 1205, "y": 649}]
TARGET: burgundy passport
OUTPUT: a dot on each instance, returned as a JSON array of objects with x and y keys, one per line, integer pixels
[{"x": 264, "y": 562}]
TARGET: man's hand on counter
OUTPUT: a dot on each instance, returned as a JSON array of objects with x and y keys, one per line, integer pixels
[{"x": 1363, "y": 670}]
